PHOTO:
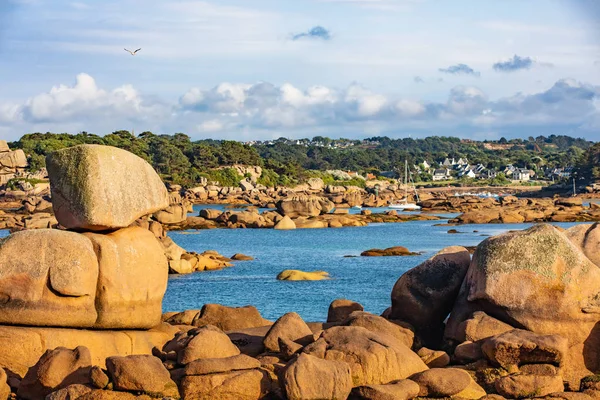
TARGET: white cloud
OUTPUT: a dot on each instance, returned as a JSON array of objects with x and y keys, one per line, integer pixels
[
  {"x": 211, "y": 126},
  {"x": 262, "y": 110},
  {"x": 410, "y": 108},
  {"x": 84, "y": 99}
]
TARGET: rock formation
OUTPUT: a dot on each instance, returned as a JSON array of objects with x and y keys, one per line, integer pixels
[
  {"x": 12, "y": 163},
  {"x": 54, "y": 283}
]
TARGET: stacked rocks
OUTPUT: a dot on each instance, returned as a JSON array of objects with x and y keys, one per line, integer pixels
[
  {"x": 11, "y": 162},
  {"x": 99, "y": 273}
]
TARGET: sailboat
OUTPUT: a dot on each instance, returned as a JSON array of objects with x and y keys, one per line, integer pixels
[{"x": 404, "y": 204}]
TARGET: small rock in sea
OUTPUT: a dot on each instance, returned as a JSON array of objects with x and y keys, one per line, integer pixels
[
  {"x": 349, "y": 256},
  {"x": 453, "y": 231},
  {"x": 390, "y": 251},
  {"x": 297, "y": 275},
  {"x": 241, "y": 257}
]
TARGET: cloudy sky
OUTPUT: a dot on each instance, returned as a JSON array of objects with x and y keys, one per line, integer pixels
[{"x": 259, "y": 69}]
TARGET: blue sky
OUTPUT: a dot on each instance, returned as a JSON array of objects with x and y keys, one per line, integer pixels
[{"x": 246, "y": 69}]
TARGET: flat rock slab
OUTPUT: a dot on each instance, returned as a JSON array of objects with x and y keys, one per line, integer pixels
[{"x": 21, "y": 347}]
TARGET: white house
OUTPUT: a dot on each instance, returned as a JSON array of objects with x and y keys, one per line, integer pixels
[
  {"x": 441, "y": 174},
  {"x": 521, "y": 174}
]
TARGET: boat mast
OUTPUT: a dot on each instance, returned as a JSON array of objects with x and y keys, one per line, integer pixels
[{"x": 406, "y": 180}]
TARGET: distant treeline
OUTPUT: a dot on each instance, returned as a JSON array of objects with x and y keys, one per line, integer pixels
[{"x": 180, "y": 160}]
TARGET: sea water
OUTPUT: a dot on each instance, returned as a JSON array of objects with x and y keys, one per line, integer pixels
[{"x": 367, "y": 280}]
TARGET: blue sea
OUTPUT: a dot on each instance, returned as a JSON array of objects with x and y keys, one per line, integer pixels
[{"x": 368, "y": 280}]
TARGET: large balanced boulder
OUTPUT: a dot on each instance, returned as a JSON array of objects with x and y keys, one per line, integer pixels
[
  {"x": 424, "y": 295},
  {"x": 312, "y": 378},
  {"x": 132, "y": 280},
  {"x": 48, "y": 278},
  {"x": 55, "y": 370},
  {"x": 374, "y": 358},
  {"x": 538, "y": 280},
  {"x": 102, "y": 187}
]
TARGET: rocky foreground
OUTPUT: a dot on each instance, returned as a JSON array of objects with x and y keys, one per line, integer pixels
[{"x": 80, "y": 316}]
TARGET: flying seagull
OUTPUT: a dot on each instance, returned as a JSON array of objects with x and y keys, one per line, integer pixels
[{"x": 132, "y": 52}]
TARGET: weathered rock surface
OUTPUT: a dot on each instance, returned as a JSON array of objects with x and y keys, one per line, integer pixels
[
  {"x": 404, "y": 389},
  {"x": 206, "y": 342},
  {"x": 102, "y": 187},
  {"x": 304, "y": 206},
  {"x": 389, "y": 252},
  {"x": 285, "y": 224},
  {"x": 55, "y": 370},
  {"x": 538, "y": 280},
  {"x": 434, "y": 358},
  {"x": 230, "y": 318},
  {"x": 143, "y": 374},
  {"x": 340, "y": 309},
  {"x": 33, "y": 342},
  {"x": 245, "y": 384},
  {"x": 587, "y": 238},
  {"x": 48, "y": 278},
  {"x": 520, "y": 386},
  {"x": 70, "y": 392},
  {"x": 132, "y": 279},
  {"x": 174, "y": 214},
  {"x": 516, "y": 347},
  {"x": 447, "y": 382},
  {"x": 374, "y": 358},
  {"x": 378, "y": 324},
  {"x": 216, "y": 365},
  {"x": 424, "y": 295},
  {"x": 309, "y": 377},
  {"x": 290, "y": 326},
  {"x": 481, "y": 326}
]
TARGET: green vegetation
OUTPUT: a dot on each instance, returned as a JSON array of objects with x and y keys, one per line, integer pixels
[
  {"x": 589, "y": 164},
  {"x": 179, "y": 160},
  {"x": 225, "y": 176},
  {"x": 13, "y": 183}
]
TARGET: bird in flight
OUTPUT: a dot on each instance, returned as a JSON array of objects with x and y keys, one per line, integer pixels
[{"x": 132, "y": 52}]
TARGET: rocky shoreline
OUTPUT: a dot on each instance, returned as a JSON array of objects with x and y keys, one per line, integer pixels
[{"x": 81, "y": 317}]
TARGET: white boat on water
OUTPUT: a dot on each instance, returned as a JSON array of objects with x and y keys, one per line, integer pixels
[
  {"x": 404, "y": 205},
  {"x": 358, "y": 207}
]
